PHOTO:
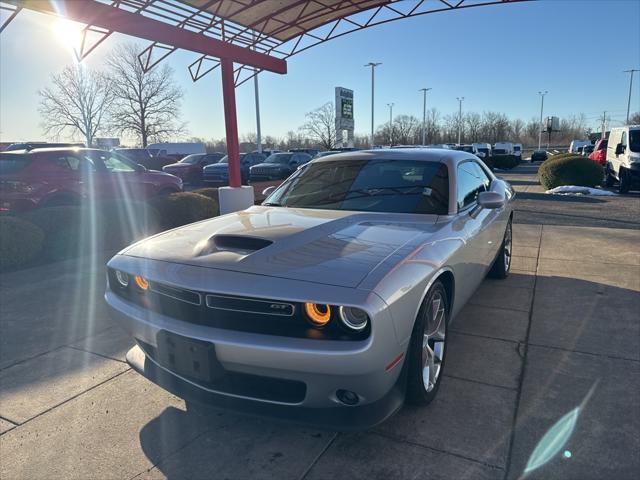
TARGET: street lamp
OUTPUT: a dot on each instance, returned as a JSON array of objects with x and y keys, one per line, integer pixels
[
  {"x": 373, "y": 68},
  {"x": 460, "y": 99},
  {"x": 390, "y": 105},
  {"x": 542, "y": 94},
  {"x": 630, "y": 85},
  {"x": 424, "y": 114}
]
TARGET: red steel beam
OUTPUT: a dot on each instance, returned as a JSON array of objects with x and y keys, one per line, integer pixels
[
  {"x": 115, "y": 19},
  {"x": 231, "y": 122}
]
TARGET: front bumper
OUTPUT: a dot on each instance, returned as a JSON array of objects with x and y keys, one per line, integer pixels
[{"x": 335, "y": 417}]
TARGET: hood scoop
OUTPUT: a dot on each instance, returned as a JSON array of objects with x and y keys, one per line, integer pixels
[{"x": 239, "y": 244}]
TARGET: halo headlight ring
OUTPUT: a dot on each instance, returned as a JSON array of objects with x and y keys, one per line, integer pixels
[
  {"x": 318, "y": 314},
  {"x": 353, "y": 318}
]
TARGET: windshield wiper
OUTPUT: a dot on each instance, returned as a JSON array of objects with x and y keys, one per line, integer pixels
[{"x": 271, "y": 204}]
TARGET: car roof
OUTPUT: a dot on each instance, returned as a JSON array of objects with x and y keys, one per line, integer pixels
[
  {"x": 65, "y": 149},
  {"x": 441, "y": 155}
]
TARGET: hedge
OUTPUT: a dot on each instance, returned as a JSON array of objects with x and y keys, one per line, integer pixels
[
  {"x": 182, "y": 208},
  {"x": 504, "y": 162},
  {"x": 20, "y": 242},
  {"x": 570, "y": 170},
  {"x": 209, "y": 192}
]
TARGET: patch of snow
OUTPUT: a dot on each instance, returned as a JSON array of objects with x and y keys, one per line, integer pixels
[{"x": 578, "y": 190}]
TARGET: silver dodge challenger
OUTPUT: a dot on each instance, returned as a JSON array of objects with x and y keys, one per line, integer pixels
[{"x": 330, "y": 303}]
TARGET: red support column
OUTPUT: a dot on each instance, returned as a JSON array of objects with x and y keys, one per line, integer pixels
[{"x": 231, "y": 122}]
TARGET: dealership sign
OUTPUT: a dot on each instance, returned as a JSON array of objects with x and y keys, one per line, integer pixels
[{"x": 344, "y": 117}]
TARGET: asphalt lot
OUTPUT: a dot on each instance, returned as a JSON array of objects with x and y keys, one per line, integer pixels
[{"x": 560, "y": 336}]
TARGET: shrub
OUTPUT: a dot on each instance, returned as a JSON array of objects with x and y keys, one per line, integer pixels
[
  {"x": 20, "y": 242},
  {"x": 69, "y": 230},
  {"x": 125, "y": 222},
  {"x": 210, "y": 192},
  {"x": 570, "y": 170},
  {"x": 559, "y": 156},
  {"x": 182, "y": 208},
  {"x": 504, "y": 162}
]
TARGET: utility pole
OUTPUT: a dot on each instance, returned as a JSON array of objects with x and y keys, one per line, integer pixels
[
  {"x": 542, "y": 94},
  {"x": 390, "y": 105},
  {"x": 604, "y": 125},
  {"x": 630, "y": 86},
  {"x": 424, "y": 114},
  {"x": 460, "y": 99},
  {"x": 373, "y": 68}
]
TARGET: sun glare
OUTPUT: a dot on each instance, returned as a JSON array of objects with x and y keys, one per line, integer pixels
[{"x": 68, "y": 34}]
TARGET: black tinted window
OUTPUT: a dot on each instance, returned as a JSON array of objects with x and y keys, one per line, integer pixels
[
  {"x": 470, "y": 184},
  {"x": 368, "y": 185},
  {"x": 12, "y": 162}
]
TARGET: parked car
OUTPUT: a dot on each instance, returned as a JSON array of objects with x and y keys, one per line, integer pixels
[
  {"x": 189, "y": 169},
  {"x": 218, "y": 173},
  {"x": 470, "y": 149},
  {"x": 311, "y": 151},
  {"x": 68, "y": 176},
  {"x": 599, "y": 153},
  {"x": 585, "y": 150},
  {"x": 332, "y": 302},
  {"x": 575, "y": 144},
  {"x": 278, "y": 166},
  {"x": 32, "y": 145},
  {"x": 146, "y": 158},
  {"x": 517, "y": 150},
  {"x": 539, "y": 156},
  {"x": 484, "y": 148},
  {"x": 623, "y": 158}
]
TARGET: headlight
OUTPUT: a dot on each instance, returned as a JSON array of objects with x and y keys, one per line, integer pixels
[
  {"x": 123, "y": 278},
  {"x": 354, "y": 318},
  {"x": 318, "y": 313},
  {"x": 141, "y": 282}
]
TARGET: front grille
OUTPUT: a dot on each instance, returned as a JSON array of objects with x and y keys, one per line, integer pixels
[
  {"x": 253, "y": 315},
  {"x": 244, "y": 384}
]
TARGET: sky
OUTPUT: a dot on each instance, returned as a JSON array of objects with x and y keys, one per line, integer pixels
[{"x": 497, "y": 57}]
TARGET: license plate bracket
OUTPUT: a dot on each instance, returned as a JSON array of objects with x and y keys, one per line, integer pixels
[{"x": 188, "y": 357}]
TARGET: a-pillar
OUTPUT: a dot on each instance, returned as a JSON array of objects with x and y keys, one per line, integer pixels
[{"x": 236, "y": 196}]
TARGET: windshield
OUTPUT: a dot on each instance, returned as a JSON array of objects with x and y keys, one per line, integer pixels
[
  {"x": 634, "y": 140},
  {"x": 192, "y": 159},
  {"x": 398, "y": 186},
  {"x": 281, "y": 158},
  {"x": 465, "y": 148},
  {"x": 111, "y": 162},
  {"x": 516, "y": 148},
  {"x": 225, "y": 159}
]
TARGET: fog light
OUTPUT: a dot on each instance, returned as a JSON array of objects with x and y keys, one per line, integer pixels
[
  {"x": 318, "y": 313},
  {"x": 354, "y": 318},
  {"x": 142, "y": 282},
  {"x": 123, "y": 278},
  {"x": 347, "y": 397}
]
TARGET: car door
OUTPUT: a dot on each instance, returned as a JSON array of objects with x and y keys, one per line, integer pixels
[
  {"x": 121, "y": 178},
  {"x": 473, "y": 223},
  {"x": 71, "y": 174}
]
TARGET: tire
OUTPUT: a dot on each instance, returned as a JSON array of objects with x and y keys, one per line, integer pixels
[
  {"x": 624, "y": 183},
  {"x": 427, "y": 352},
  {"x": 502, "y": 263},
  {"x": 609, "y": 180}
]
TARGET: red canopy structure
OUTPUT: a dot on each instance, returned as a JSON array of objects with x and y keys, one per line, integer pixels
[{"x": 243, "y": 37}]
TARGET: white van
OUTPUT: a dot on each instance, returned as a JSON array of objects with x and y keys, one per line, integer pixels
[
  {"x": 517, "y": 150},
  {"x": 623, "y": 158},
  {"x": 484, "y": 148},
  {"x": 576, "y": 144},
  {"x": 176, "y": 149},
  {"x": 503, "y": 148}
]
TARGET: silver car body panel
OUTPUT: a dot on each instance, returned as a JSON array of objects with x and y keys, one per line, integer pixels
[{"x": 383, "y": 263}]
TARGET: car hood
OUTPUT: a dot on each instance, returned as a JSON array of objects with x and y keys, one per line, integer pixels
[
  {"x": 216, "y": 167},
  {"x": 275, "y": 166},
  {"x": 178, "y": 165},
  {"x": 322, "y": 246}
]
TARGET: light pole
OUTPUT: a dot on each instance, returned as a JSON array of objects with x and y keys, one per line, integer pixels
[
  {"x": 542, "y": 94},
  {"x": 424, "y": 114},
  {"x": 390, "y": 105},
  {"x": 257, "y": 95},
  {"x": 460, "y": 99},
  {"x": 373, "y": 81},
  {"x": 630, "y": 85}
]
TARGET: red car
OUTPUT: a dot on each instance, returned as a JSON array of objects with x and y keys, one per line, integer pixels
[
  {"x": 599, "y": 153},
  {"x": 189, "y": 169},
  {"x": 67, "y": 176}
]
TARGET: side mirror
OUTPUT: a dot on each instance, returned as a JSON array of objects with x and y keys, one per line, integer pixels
[
  {"x": 141, "y": 168},
  {"x": 491, "y": 200},
  {"x": 269, "y": 190},
  {"x": 619, "y": 149},
  {"x": 480, "y": 154}
]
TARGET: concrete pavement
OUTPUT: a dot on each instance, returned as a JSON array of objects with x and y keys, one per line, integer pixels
[{"x": 562, "y": 332}]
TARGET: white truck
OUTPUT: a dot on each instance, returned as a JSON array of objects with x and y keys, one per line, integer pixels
[
  {"x": 576, "y": 144},
  {"x": 180, "y": 149}
]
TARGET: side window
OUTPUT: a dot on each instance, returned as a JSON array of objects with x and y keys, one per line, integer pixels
[
  {"x": 469, "y": 185},
  {"x": 259, "y": 158},
  {"x": 74, "y": 164},
  {"x": 116, "y": 164},
  {"x": 482, "y": 175},
  {"x": 623, "y": 140}
]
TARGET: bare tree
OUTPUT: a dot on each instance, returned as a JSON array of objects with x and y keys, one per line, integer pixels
[
  {"x": 634, "y": 119},
  {"x": 474, "y": 122},
  {"x": 405, "y": 129},
  {"x": 321, "y": 126},
  {"x": 77, "y": 103},
  {"x": 146, "y": 104}
]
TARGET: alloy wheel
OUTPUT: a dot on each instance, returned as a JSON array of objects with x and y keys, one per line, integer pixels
[
  {"x": 507, "y": 248},
  {"x": 433, "y": 341}
]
